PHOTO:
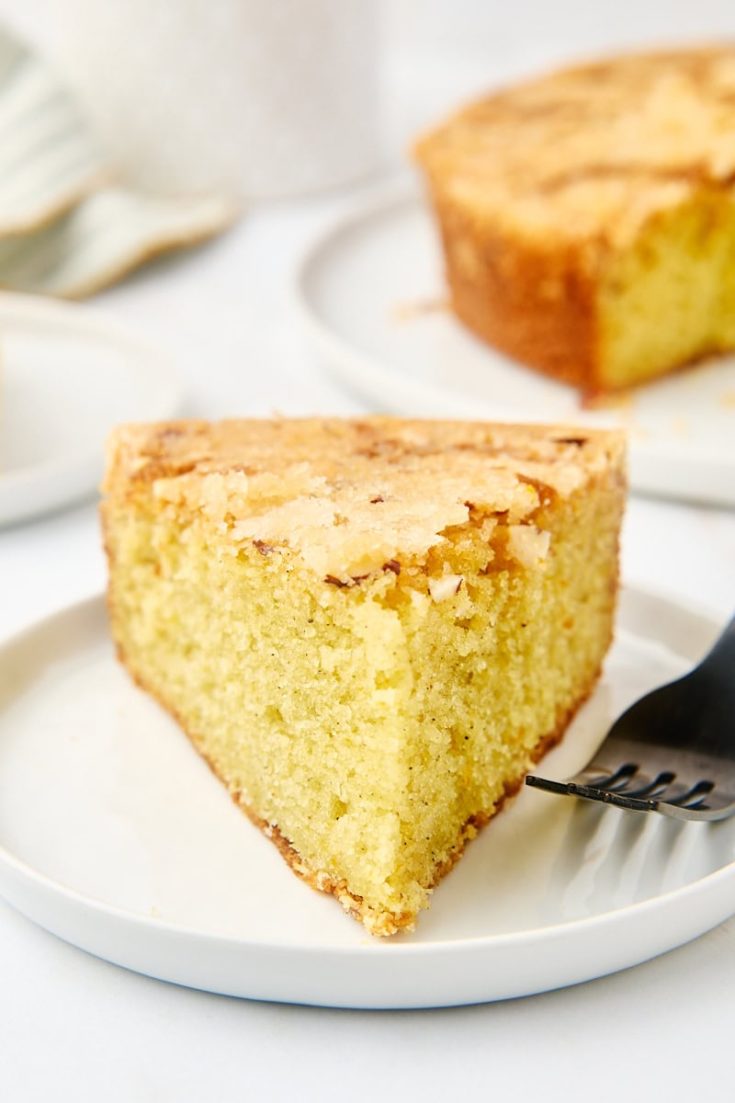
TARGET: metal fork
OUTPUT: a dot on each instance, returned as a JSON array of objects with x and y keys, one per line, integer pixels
[{"x": 673, "y": 751}]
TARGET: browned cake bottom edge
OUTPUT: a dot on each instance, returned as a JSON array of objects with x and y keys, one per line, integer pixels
[{"x": 379, "y": 923}]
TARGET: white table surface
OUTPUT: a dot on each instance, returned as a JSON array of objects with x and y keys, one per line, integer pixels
[{"x": 76, "y": 1028}]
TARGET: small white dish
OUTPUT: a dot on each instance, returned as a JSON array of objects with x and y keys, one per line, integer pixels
[
  {"x": 373, "y": 299},
  {"x": 115, "y": 836},
  {"x": 66, "y": 378}
]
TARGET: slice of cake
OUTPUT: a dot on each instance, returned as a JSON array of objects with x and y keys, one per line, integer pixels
[
  {"x": 370, "y": 629},
  {"x": 588, "y": 217}
]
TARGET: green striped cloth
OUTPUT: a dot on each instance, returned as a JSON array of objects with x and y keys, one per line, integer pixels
[{"x": 66, "y": 227}]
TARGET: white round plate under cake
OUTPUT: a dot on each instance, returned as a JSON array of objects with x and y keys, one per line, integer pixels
[
  {"x": 372, "y": 295},
  {"x": 115, "y": 836},
  {"x": 66, "y": 378}
]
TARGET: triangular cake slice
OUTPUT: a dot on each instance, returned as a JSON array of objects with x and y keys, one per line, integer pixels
[{"x": 369, "y": 628}]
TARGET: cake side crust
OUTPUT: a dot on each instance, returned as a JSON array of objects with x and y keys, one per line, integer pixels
[{"x": 534, "y": 303}]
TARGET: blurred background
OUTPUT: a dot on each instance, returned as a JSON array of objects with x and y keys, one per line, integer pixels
[
  {"x": 207, "y": 67},
  {"x": 248, "y": 129}
]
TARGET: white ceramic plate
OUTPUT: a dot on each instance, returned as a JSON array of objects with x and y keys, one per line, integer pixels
[
  {"x": 66, "y": 377},
  {"x": 115, "y": 836},
  {"x": 371, "y": 292}
]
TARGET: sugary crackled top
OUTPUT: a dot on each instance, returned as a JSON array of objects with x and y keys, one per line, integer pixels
[
  {"x": 349, "y": 496},
  {"x": 592, "y": 150}
]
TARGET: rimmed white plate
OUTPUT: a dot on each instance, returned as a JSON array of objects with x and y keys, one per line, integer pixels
[
  {"x": 371, "y": 292},
  {"x": 115, "y": 836},
  {"x": 66, "y": 377}
]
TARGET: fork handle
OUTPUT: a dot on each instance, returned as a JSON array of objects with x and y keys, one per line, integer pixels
[{"x": 723, "y": 652}]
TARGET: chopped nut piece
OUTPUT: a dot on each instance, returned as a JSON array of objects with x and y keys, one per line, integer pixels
[
  {"x": 527, "y": 544},
  {"x": 446, "y": 586}
]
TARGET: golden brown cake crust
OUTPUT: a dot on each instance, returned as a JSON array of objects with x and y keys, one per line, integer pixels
[
  {"x": 349, "y": 496},
  {"x": 592, "y": 151},
  {"x": 536, "y": 186}
]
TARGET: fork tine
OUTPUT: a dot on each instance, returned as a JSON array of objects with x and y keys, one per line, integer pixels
[
  {"x": 689, "y": 803},
  {"x": 603, "y": 778},
  {"x": 655, "y": 788},
  {"x": 615, "y": 797},
  {"x": 694, "y": 795},
  {"x": 590, "y": 792},
  {"x": 673, "y": 750}
]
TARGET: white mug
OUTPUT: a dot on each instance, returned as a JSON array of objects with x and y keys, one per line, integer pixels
[{"x": 253, "y": 97}]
